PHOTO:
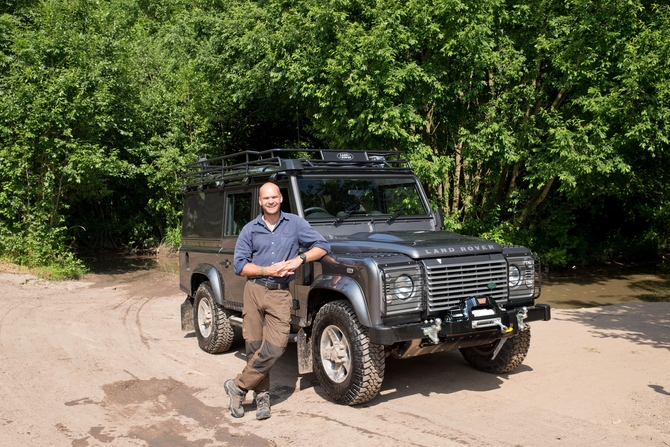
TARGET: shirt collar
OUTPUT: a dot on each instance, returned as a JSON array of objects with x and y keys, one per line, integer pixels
[{"x": 260, "y": 221}]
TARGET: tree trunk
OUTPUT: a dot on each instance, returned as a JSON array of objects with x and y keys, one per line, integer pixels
[
  {"x": 472, "y": 184},
  {"x": 559, "y": 99},
  {"x": 502, "y": 183},
  {"x": 455, "y": 202},
  {"x": 538, "y": 197},
  {"x": 514, "y": 176}
]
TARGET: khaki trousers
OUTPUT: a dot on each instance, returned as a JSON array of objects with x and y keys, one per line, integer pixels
[{"x": 266, "y": 326}]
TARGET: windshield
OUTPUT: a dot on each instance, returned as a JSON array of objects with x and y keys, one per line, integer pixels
[{"x": 343, "y": 198}]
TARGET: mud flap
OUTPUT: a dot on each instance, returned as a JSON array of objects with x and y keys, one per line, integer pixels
[
  {"x": 187, "y": 315},
  {"x": 304, "y": 353}
]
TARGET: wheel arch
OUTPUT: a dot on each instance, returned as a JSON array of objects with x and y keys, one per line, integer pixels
[
  {"x": 327, "y": 288},
  {"x": 207, "y": 272}
]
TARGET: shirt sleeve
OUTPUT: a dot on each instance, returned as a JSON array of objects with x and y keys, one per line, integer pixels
[
  {"x": 310, "y": 238},
  {"x": 243, "y": 250}
]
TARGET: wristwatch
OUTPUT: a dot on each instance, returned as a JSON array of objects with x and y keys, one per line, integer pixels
[{"x": 303, "y": 256}]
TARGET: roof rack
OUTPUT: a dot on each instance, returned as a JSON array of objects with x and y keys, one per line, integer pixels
[{"x": 242, "y": 166}]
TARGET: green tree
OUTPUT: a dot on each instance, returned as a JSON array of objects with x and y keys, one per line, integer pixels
[{"x": 536, "y": 121}]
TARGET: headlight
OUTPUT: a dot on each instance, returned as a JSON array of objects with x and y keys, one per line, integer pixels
[
  {"x": 523, "y": 276},
  {"x": 514, "y": 276},
  {"x": 404, "y": 287}
]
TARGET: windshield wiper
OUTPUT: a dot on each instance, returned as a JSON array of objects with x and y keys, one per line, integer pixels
[
  {"x": 395, "y": 215},
  {"x": 345, "y": 215}
]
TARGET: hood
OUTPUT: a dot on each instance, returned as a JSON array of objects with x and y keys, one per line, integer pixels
[{"x": 415, "y": 244}]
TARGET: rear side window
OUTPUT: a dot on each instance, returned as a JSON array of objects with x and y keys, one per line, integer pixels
[
  {"x": 203, "y": 215},
  {"x": 286, "y": 200},
  {"x": 238, "y": 210}
]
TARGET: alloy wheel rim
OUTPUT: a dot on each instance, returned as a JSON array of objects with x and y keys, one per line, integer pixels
[
  {"x": 335, "y": 354},
  {"x": 205, "y": 318}
]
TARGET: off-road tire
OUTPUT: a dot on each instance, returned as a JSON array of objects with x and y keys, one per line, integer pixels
[
  {"x": 362, "y": 380},
  {"x": 511, "y": 355},
  {"x": 212, "y": 326}
]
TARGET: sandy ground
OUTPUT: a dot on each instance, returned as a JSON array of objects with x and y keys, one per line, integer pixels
[{"x": 103, "y": 362}]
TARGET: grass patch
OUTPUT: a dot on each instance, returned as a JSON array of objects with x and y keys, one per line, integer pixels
[{"x": 74, "y": 269}]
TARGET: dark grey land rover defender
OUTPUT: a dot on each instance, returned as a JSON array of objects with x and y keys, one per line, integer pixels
[{"x": 394, "y": 284}]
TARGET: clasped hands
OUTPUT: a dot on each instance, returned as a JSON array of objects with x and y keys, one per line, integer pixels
[{"x": 281, "y": 269}]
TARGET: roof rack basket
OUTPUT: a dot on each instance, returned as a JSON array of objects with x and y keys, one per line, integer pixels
[{"x": 242, "y": 166}]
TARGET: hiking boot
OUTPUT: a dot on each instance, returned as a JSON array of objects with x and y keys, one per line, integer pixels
[
  {"x": 262, "y": 405},
  {"x": 237, "y": 396}
]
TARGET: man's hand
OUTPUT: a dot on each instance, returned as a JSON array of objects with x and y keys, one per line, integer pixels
[
  {"x": 281, "y": 269},
  {"x": 284, "y": 268}
]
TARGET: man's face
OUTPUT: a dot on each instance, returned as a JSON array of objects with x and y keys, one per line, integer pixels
[{"x": 270, "y": 199}]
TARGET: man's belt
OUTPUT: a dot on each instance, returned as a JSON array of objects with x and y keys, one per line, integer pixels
[{"x": 270, "y": 285}]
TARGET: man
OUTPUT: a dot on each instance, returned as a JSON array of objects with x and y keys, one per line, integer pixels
[{"x": 267, "y": 254}]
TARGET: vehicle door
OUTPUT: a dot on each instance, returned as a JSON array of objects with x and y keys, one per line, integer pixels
[{"x": 240, "y": 208}]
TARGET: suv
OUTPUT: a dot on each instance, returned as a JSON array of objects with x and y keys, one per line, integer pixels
[{"x": 394, "y": 283}]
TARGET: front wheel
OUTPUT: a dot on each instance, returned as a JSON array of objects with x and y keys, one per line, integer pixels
[
  {"x": 212, "y": 326},
  {"x": 348, "y": 366},
  {"x": 510, "y": 356}
]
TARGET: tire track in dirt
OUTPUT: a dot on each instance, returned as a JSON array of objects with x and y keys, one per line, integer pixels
[{"x": 138, "y": 322}]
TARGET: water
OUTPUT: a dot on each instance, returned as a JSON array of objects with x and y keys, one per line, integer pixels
[
  {"x": 579, "y": 288},
  {"x": 123, "y": 261}
]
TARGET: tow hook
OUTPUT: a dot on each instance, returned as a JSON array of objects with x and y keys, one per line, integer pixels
[
  {"x": 521, "y": 315},
  {"x": 504, "y": 329},
  {"x": 432, "y": 331}
]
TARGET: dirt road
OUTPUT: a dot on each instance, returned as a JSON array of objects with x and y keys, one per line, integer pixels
[{"x": 103, "y": 362}]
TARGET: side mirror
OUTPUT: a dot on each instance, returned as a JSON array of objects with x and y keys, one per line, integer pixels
[{"x": 439, "y": 218}]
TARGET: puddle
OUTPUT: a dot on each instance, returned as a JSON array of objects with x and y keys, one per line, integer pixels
[
  {"x": 121, "y": 261},
  {"x": 578, "y": 289}
]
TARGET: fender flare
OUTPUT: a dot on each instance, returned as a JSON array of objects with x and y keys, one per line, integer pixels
[
  {"x": 349, "y": 288},
  {"x": 214, "y": 280}
]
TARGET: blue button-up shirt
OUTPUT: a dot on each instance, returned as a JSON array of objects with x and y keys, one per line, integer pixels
[{"x": 260, "y": 246}]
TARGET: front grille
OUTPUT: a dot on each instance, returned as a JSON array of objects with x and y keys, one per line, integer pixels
[{"x": 449, "y": 280}]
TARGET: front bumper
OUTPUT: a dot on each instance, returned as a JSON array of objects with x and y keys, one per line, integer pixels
[{"x": 464, "y": 331}]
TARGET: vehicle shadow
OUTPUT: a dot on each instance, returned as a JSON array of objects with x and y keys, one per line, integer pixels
[{"x": 442, "y": 373}]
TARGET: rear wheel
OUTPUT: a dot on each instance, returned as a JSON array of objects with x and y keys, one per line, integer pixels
[
  {"x": 212, "y": 325},
  {"x": 510, "y": 356},
  {"x": 349, "y": 367}
]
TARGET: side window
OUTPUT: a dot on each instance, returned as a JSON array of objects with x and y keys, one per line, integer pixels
[
  {"x": 238, "y": 212},
  {"x": 203, "y": 215},
  {"x": 286, "y": 201}
]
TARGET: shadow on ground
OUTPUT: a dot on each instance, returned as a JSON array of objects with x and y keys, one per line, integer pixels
[{"x": 642, "y": 323}]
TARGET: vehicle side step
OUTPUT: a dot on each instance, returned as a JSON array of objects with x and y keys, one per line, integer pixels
[{"x": 235, "y": 321}]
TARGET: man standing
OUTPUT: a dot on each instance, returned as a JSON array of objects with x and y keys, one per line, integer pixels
[{"x": 267, "y": 254}]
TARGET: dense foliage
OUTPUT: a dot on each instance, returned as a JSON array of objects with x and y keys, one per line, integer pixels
[{"x": 541, "y": 122}]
